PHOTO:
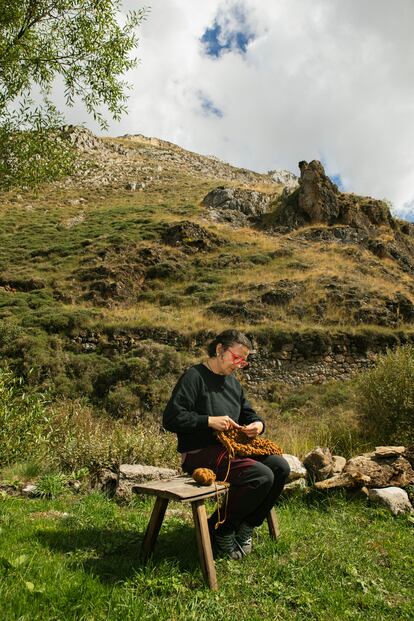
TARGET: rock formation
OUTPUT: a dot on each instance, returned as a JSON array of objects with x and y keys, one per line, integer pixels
[
  {"x": 236, "y": 205},
  {"x": 317, "y": 200}
]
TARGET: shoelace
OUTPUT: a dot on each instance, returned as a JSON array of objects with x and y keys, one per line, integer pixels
[
  {"x": 245, "y": 534},
  {"x": 227, "y": 544}
]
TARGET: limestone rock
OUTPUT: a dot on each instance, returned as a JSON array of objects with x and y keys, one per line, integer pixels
[
  {"x": 284, "y": 177},
  {"x": 338, "y": 464},
  {"x": 133, "y": 474},
  {"x": 242, "y": 203},
  {"x": 389, "y": 451},
  {"x": 190, "y": 237},
  {"x": 284, "y": 291},
  {"x": 297, "y": 469},
  {"x": 318, "y": 196},
  {"x": 296, "y": 485},
  {"x": 385, "y": 467},
  {"x": 342, "y": 480},
  {"x": 30, "y": 490},
  {"x": 395, "y": 498},
  {"x": 317, "y": 200},
  {"x": 319, "y": 463}
]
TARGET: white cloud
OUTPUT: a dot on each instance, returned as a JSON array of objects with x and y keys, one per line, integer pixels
[{"x": 326, "y": 79}]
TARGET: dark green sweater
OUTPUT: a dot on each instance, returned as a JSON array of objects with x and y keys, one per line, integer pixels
[{"x": 200, "y": 393}]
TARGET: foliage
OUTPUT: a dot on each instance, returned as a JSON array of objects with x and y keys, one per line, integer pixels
[
  {"x": 24, "y": 420},
  {"x": 52, "y": 485},
  {"x": 386, "y": 398},
  {"x": 31, "y": 148},
  {"x": 82, "y": 43},
  {"x": 82, "y": 439}
]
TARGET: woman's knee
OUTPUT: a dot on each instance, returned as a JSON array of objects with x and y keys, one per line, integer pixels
[
  {"x": 259, "y": 476},
  {"x": 279, "y": 465}
]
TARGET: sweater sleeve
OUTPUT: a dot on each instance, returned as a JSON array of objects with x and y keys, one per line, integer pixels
[
  {"x": 180, "y": 415},
  {"x": 247, "y": 413}
]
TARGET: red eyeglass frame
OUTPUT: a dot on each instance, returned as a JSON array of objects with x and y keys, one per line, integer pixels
[{"x": 242, "y": 362}]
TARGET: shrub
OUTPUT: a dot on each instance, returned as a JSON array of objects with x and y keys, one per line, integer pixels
[
  {"x": 24, "y": 420},
  {"x": 81, "y": 439},
  {"x": 385, "y": 397},
  {"x": 52, "y": 485}
]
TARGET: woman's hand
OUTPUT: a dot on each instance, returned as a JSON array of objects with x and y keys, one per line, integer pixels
[
  {"x": 222, "y": 423},
  {"x": 253, "y": 429}
]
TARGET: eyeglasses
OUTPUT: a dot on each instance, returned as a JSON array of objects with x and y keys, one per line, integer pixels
[{"x": 238, "y": 360}]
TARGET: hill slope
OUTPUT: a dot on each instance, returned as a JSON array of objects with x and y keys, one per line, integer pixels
[{"x": 111, "y": 281}]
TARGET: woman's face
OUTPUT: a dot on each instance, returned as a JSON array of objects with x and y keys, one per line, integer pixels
[{"x": 232, "y": 358}]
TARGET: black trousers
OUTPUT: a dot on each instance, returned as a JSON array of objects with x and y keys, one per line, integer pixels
[{"x": 255, "y": 483}]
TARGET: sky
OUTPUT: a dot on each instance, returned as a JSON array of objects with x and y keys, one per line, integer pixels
[{"x": 263, "y": 84}]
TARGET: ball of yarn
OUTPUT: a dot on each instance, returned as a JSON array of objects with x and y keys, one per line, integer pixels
[{"x": 204, "y": 476}]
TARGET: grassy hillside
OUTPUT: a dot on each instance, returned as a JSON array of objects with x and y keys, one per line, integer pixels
[{"x": 99, "y": 301}]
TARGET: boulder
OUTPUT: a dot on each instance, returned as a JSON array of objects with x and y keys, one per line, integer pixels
[
  {"x": 284, "y": 177},
  {"x": 297, "y": 485},
  {"x": 338, "y": 464},
  {"x": 30, "y": 490},
  {"x": 190, "y": 237},
  {"x": 243, "y": 203},
  {"x": 297, "y": 469},
  {"x": 385, "y": 467},
  {"x": 319, "y": 463},
  {"x": 395, "y": 498},
  {"x": 342, "y": 480},
  {"x": 133, "y": 474}
]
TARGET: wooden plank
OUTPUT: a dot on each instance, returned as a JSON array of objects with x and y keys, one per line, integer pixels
[
  {"x": 153, "y": 528},
  {"x": 273, "y": 524},
  {"x": 183, "y": 489},
  {"x": 204, "y": 544}
]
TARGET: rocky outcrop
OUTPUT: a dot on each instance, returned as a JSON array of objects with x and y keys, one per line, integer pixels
[
  {"x": 317, "y": 200},
  {"x": 284, "y": 177},
  {"x": 190, "y": 237},
  {"x": 236, "y": 205}
]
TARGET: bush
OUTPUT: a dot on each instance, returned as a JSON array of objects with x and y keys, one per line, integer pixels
[
  {"x": 81, "y": 439},
  {"x": 385, "y": 398},
  {"x": 24, "y": 420}
]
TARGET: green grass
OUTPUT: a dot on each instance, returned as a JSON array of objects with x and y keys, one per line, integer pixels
[{"x": 78, "y": 559}]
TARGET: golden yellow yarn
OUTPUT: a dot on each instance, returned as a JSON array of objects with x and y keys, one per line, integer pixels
[
  {"x": 204, "y": 476},
  {"x": 236, "y": 442}
]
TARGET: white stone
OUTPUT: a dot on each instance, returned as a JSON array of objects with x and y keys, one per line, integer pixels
[
  {"x": 296, "y": 485},
  {"x": 338, "y": 464},
  {"x": 297, "y": 469},
  {"x": 395, "y": 498},
  {"x": 30, "y": 490}
]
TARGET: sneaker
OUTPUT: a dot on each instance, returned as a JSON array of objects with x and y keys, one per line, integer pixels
[
  {"x": 227, "y": 546},
  {"x": 244, "y": 537}
]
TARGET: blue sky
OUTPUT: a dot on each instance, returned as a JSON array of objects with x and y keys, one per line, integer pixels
[{"x": 220, "y": 38}]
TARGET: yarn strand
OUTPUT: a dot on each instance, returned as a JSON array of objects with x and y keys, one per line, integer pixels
[{"x": 236, "y": 443}]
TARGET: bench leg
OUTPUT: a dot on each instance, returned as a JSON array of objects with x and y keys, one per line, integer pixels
[
  {"x": 204, "y": 544},
  {"x": 153, "y": 527},
  {"x": 273, "y": 525}
]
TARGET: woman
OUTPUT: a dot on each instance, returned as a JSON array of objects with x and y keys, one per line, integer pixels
[{"x": 206, "y": 399}]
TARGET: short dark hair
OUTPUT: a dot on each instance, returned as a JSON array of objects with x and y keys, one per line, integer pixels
[{"x": 227, "y": 339}]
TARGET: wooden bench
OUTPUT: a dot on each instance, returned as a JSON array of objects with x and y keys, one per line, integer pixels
[{"x": 185, "y": 489}]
